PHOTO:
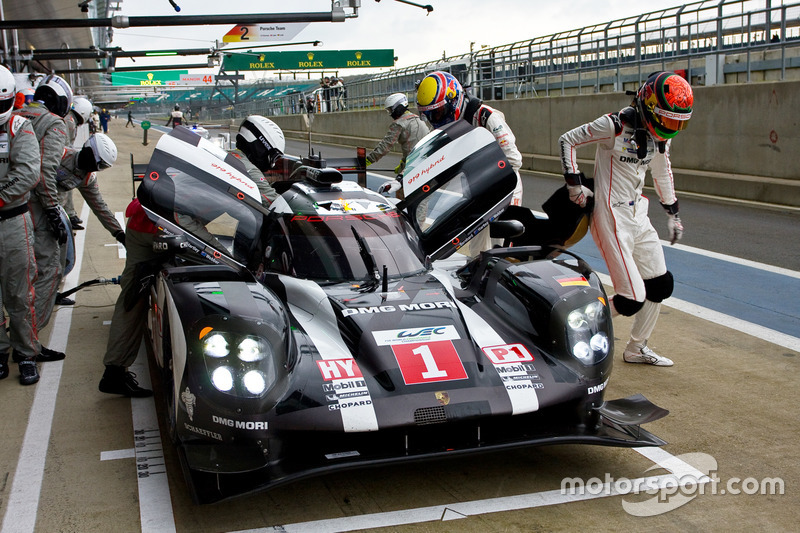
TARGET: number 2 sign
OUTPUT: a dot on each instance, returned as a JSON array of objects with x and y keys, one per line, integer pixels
[{"x": 429, "y": 362}]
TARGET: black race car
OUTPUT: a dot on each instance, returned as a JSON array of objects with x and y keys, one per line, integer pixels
[{"x": 339, "y": 328}]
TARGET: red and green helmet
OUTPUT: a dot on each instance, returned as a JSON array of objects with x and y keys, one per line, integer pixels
[{"x": 665, "y": 101}]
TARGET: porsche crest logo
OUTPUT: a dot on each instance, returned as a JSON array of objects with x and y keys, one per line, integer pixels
[{"x": 442, "y": 397}]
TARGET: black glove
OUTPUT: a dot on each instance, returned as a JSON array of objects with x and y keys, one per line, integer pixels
[
  {"x": 120, "y": 236},
  {"x": 57, "y": 226}
]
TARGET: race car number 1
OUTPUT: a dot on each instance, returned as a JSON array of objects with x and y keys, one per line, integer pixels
[{"x": 429, "y": 362}]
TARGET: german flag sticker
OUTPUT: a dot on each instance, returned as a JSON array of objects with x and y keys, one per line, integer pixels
[{"x": 573, "y": 282}]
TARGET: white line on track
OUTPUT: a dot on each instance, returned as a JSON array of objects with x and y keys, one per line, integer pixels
[
  {"x": 761, "y": 332},
  {"x": 23, "y": 500}
]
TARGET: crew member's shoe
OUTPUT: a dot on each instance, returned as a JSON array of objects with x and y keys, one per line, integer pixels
[
  {"x": 45, "y": 356},
  {"x": 63, "y": 300},
  {"x": 75, "y": 222},
  {"x": 4, "y": 365},
  {"x": 117, "y": 380},
  {"x": 635, "y": 353},
  {"x": 28, "y": 372}
]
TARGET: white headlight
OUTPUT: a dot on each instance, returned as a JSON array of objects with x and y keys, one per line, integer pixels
[
  {"x": 576, "y": 319},
  {"x": 582, "y": 352},
  {"x": 222, "y": 378},
  {"x": 215, "y": 346},
  {"x": 593, "y": 311},
  {"x": 599, "y": 343},
  {"x": 250, "y": 350},
  {"x": 254, "y": 382}
]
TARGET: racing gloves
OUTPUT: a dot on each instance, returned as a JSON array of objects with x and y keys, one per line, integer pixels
[
  {"x": 674, "y": 224},
  {"x": 120, "y": 236},
  {"x": 391, "y": 187},
  {"x": 578, "y": 193},
  {"x": 57, "y": 226}
]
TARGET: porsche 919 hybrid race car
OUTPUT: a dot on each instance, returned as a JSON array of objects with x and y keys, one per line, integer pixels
[{"x": 339, "y": 328}]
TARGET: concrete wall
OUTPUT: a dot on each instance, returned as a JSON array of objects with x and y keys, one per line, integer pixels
[{"x": 743, "y": 141}]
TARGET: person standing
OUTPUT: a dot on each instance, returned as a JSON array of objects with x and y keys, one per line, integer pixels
[
  {"x": 19, "y": 174},
  {"x": 78, "y": 170},
  {"x": 52, "y": 101},
  {"x": 130, "y": 119},
  {"x": 79, "y": 114},
  {"x": 105, "y": 117},
  {"x": 628, "y": 143},
  {"x": 130, "y": 311},
  {"x": 406, "y": 128},
  {"x": 442, "y": 100},
  {"x": 175, "y": 117},
  {"x": 94, "y": 124},
  {"x": 259, "y": 144}
]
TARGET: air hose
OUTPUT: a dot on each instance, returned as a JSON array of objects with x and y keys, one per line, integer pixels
[{"x": 98, "y": 281}]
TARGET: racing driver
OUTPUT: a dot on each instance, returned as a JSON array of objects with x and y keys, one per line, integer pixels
[{"x": 628, "y": 143}]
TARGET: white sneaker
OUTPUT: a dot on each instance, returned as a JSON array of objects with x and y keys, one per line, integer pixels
[{"x": 642, "y": 354}]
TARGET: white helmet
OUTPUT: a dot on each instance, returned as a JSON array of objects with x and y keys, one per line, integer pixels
[
  {"x": 8, "y": 91},
  {"x": 396, "y": 104},
  {"x": 82, "y": 108},
  {"x": 261, "y": 140},
  {"x": 103, "y": 150},
  {"x": 56, "y": 94}
]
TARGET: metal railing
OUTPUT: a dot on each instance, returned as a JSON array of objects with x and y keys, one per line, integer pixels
[{"x": 709, "y": 41}]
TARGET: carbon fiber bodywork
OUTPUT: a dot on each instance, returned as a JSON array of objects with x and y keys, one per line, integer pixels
[{"x": 318, "y": 335}]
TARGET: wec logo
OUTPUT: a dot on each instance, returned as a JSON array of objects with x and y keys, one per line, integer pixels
[{"x": 424, "y": 332}]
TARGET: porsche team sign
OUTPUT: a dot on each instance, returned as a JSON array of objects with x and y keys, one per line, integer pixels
[{"x": 323, "y": 59}]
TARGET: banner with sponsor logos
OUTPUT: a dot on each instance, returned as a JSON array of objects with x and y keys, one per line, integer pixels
[
  {"x": 148, "y": 78},
  {"x": 317, "y": 60},
  {"x": 244, "y": 33}
]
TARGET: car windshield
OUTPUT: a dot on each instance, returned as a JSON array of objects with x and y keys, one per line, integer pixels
[{"x": 348, "y": 247}]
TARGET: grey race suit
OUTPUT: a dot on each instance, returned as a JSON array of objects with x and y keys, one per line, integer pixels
[
  {"x": 407, "y": 129},
  {"x": 619, "y": 224},
  {"x": 19, "y": 173},
  {"x": 128, "y": 323},
  {"x": 51, "y": 132},
  {"x": 69, "y": 177},
  {"x": 65, "y": 197}
]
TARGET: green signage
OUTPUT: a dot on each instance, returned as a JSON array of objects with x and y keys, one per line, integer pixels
[
  {"x": 317, "y": 60},
  {"x": 148, "y": 77},
  {"x": 145, "y": 124}
]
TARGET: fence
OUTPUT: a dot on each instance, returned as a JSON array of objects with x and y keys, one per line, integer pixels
[{"x": 711, "y": 42}]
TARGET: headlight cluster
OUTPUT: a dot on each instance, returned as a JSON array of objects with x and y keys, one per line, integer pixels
[
  {"x": 587, "y": 338},
  {"x": 238, "y": 364}
]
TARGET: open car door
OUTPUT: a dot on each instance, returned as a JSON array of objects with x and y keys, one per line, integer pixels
[
  {"x": 194, "y": 188},
  {"x": 456, "y": 181}
]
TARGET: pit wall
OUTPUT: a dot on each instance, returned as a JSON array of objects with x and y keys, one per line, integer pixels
[{"x": 743, "y": 141}]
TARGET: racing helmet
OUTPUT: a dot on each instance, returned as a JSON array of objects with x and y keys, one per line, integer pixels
[
  {"x": 8, "y": 93},
  {"x": 24, "y": 96},
  {"x": 98, "y": 153},
  {"x": 396, "y": 104},
  {"x": 261, "y": 140},
  {"x": 82, "y": 108},
  {"x": 56, "y": 95},
  {"x": 665, "y": 104},
  {"x": 439, "y": 98},
  {"x": 177, "y": 107}
]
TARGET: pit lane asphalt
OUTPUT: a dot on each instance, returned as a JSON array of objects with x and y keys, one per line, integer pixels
[{"x": 731, "y": 395}]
